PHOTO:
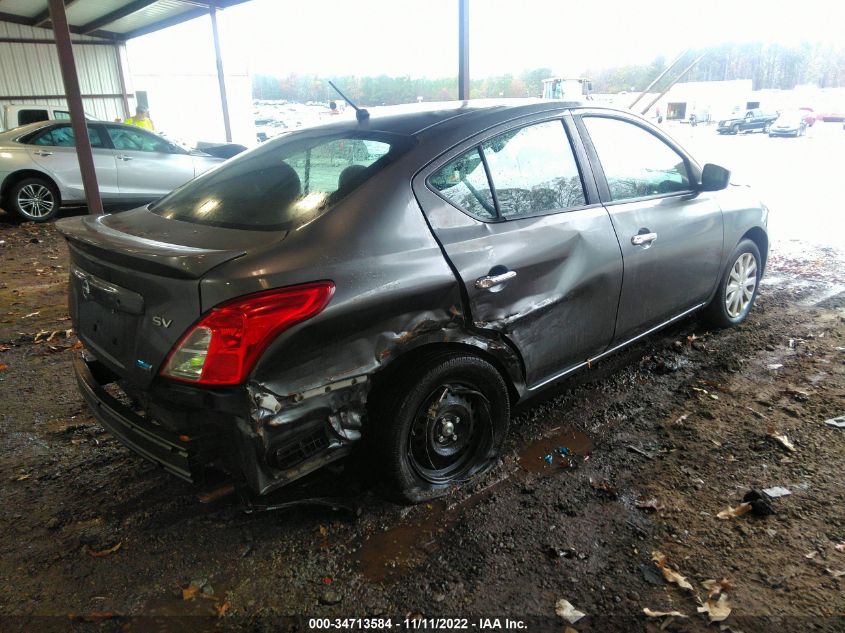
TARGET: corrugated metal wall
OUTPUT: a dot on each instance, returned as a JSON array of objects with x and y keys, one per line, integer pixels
[{"x": 33, "y": 69}]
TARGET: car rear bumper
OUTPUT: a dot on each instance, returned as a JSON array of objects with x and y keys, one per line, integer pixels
[
  {"x": 263, "y": 461},
  {"x": 179, "y": 455}
]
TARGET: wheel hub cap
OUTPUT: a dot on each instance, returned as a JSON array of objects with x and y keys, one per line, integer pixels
[
  {"x": 35, "y": 201},
  {"x": 742, "y": 282}
]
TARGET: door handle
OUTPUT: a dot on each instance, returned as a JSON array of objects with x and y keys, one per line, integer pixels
[
  {"x": 41, "y": 152},
  {"x": 642, "y": 239},
  {"x": 122, "y": 157},
  {"x": 484, "y": 283}
]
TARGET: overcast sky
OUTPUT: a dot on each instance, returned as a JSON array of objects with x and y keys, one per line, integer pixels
[{"x": 419, "y": 37}]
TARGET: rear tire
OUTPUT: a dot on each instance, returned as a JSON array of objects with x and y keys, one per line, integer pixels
[
  {"x": 738, "y": 288},
  {"x": 443, "y": 424},
  {"x": 33, "y": 200}
]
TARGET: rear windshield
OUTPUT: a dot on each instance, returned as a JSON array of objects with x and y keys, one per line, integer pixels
[{"x": 285, "y": 183}]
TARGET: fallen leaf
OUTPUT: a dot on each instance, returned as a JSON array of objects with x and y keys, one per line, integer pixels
[
  {"x": 565, "y": 610},
  {"x": 31, "y": 314},
  {"x": 840, "y": 547},
  {"x": 649, "y": 504},
  {"x": 668, "y": 573},
  {"x": 22, "y": 477},
  {"x": 218, "y": 493},
  {"x": 781, "y": 439},
  {"x": 835, "y": 573},
  {"x": 730, "y": 513},
  {"x": 811, "y": 554},
  {"x": 605, "y": 487},
  {"x": 4, "y": 348},
  {"x": 323, "y": 530},
  {"x": 3, "y": 367},
  {"x": 105, "y": 552},
  {"x": 715, "y": 587},
  {"x": 661, "y": 614},
  {"x": 717, "y": 611},
  {"x": 222, "y": 609},
  {"x": 77, "y": 345},
  {"x": 190, "y": 592}
]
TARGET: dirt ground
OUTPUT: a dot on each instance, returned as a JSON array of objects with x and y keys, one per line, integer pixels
[{"x": 646, "y": 449}]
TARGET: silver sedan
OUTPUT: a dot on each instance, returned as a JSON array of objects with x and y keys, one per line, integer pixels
[{"x": 39, "y": 171}]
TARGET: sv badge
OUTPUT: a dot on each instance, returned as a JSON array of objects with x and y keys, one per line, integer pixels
[{"x": 162, "y": 322}]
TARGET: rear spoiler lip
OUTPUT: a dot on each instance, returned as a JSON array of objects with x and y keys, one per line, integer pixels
[{"x": 91, "y": 235}]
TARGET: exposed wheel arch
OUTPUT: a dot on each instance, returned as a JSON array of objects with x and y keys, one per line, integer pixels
[
  {"x": 413, "y": 357},
  {"x": 23, "y": 174}
]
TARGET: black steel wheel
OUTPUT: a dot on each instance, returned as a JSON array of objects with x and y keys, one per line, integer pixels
[{"x": 444, "y": 424}]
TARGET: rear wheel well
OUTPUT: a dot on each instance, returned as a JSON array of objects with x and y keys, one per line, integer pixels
[
  {"x": 759, "y": 237},
  {"x": 388, "y": 376},
  {"x": 15, "y": 177}
]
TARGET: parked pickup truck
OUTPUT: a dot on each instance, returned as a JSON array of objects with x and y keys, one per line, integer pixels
[{"x": 755, "y": 119}]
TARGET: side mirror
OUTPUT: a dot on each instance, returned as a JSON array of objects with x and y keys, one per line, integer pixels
[{"x": 714, "y": 178}]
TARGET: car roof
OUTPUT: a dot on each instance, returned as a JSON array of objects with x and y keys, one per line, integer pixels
[{"x": 418, "y": 118}]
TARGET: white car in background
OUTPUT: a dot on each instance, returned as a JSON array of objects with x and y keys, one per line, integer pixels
[{"x": 39, "y": 169}]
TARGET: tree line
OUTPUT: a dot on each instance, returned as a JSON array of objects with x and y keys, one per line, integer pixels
[{"x": 767, "y": 65}]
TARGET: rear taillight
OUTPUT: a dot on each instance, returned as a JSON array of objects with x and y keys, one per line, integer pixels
[{"x": 222, "y": 347}]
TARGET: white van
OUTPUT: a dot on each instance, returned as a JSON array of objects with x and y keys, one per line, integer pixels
[{"x": 12, "y": 116}]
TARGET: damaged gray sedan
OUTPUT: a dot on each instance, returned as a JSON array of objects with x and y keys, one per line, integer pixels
[{"x": 396, "y": 285}]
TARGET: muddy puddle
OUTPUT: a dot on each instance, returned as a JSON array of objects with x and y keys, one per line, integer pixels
[
  {"x": 389, "y": 553},
  {"x": 561, "y": 449}
]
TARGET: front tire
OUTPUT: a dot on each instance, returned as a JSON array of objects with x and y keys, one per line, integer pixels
[
  {"x": 738, "y": 288},
  {"x": 34, "y": 200},
  {"x": 444, "y": 424},
  {"x": 735, "y": 129}
]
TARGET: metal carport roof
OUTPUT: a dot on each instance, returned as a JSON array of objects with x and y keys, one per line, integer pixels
[
  {"x": 111, "y": 19},
  {"x": 120, "y": 20}
]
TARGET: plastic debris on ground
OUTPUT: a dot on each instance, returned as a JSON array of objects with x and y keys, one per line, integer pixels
[
  {"x": 663, "y": 614},
  {"x": 776, "y": 492},
  {"x": 838, "y": 422},
  {"x": 565, "y": 610}
]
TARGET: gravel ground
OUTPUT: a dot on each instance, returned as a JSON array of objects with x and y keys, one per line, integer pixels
[{"x": 660, "y": 439}]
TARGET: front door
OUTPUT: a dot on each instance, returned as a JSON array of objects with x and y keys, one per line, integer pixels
[
  {"x": 670, "y": 234},
  {"x": 540, "y": 265},
  {"x": 54, "y": 150},
  {"x": 148, "y": 167}
]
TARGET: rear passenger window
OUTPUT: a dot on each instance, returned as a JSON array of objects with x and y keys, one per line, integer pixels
[
  {"x": 635, "y": 162},
  {"x": 463, "y": 182},
  {"x": 62, "y": 136},
  {"x": 534, "y": 171}
]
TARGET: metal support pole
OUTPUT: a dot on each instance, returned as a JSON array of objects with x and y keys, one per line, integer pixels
[
  {"x": 658, "y": 78},
  {"x": 118, "y": 54},
  {"x": 676, "y": 80},
  {"x": 221, "y": 78},
  {"x": 73, "y": 94},
  {"x": 463, "y": 50}
]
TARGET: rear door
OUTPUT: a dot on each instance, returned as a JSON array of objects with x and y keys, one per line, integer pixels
[
  {"x": 148, "y": 167},
  {"x": 670, "y": 234},
  {"x": 537, "y": 254},
  {"x": 54, "y": 150}
]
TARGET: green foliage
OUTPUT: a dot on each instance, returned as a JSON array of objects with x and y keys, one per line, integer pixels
[{"x": 767, "y": 65}]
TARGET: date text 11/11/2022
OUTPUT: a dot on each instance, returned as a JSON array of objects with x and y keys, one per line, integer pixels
[{"x": 414, "y": 623}]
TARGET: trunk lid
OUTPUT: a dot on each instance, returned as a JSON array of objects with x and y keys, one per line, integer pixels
[{"x": 134, "y": 282}]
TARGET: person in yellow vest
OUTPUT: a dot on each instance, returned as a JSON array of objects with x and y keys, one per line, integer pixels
[{"x": 141, "y": 119}]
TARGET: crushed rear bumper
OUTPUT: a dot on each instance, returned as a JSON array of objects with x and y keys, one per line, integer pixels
[{"x": 177, "y": 454}]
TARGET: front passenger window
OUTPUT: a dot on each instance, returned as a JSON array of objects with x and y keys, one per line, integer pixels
[
  {"x": 636, "y": 163},
  {"x": 127, "y": 139}
]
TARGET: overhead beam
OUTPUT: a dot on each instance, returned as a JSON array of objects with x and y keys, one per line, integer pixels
[
  {"x": 463, "y": 50},
  {"x": 117, "y": 14},
  {"x": 43, "y": 19},
  {"x": 70, "y": 78}
]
